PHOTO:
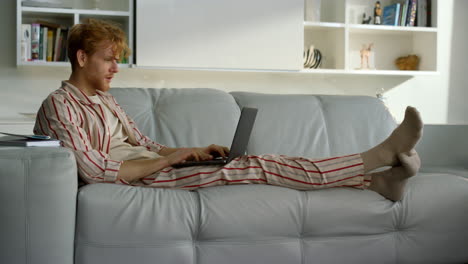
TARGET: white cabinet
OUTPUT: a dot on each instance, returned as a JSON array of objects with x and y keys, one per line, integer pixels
[
  {"x": 337, "y": 31},
  {"x": 220, "y": 34},
  {"x": 73, "y": 12}
]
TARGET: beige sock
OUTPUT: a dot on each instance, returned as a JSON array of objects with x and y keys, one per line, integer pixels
[
  {"x": 391, "y": 183},
  {"x": 403, "y": 139}
]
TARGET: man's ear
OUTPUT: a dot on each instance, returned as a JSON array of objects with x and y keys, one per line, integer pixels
[{"x": 81, "y": 58}]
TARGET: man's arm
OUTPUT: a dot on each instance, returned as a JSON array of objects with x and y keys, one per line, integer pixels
[
  {"x": 132, "y": 170},
  {"x": 57, "y": 119}
]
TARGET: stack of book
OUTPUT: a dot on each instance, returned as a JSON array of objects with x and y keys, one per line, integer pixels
[
  {"x": 408, "y": 13},
  {"x": 44, "y": 41},
  {"x": 16, "y": 140}
]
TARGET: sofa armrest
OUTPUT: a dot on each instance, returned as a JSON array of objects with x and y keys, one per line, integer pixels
[
  {"x": 444, "y": 146},
  {"x": 38, "y": 190}
]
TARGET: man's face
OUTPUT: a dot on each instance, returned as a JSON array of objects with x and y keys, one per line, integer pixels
[{"x": 100, "y": 68}]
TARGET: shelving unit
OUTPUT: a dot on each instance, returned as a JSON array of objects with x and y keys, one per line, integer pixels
[
  {"x": 339, "y": 35},
  {"x": 118, "y": 11}
]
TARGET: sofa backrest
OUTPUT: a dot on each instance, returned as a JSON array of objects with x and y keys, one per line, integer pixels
[
  {"x": 295, "y": 125},
  {"x": 181, "y": 117}
]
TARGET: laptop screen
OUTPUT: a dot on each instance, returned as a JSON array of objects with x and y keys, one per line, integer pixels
[{"x": 243, "y": 131}]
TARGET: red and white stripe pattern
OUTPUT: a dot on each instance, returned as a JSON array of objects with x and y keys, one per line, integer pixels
[
  {"x": 292, "y": 172},
  {"x": 70, "y": 116}
]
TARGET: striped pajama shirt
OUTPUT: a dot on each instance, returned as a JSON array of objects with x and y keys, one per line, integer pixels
[{"x": 70, "y": 116}]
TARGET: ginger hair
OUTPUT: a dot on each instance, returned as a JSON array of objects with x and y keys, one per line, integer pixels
[{"x": 89, "y": 35}]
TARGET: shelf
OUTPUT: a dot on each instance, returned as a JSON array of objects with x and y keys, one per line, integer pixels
[
  {"x": 369, "y": 72},
  {"x": 392, "y": 72},
  {"x": 304, "y": 71},
  {"x": 308, "y": 24},
  {"x": 355, "y": 28},
  {"x": 74, "y": 11},
  {"x": 57, "y": 64}
]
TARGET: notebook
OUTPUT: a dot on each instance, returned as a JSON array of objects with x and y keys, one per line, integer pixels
[{"x": 239, "y": 142}]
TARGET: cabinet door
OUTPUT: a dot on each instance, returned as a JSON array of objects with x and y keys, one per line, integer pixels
[{"x": 231, "y": 34}]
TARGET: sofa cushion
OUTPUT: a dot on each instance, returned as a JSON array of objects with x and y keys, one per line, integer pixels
[
  {"x": 316, "y": 126},
  {"x": 286, "y": 124},
  {"x": 269, "y": 224},
  {"x": 181, "y": 117}
]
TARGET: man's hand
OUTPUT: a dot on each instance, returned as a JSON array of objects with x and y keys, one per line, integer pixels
[
  {"x": 207, "y": 153},
  {"x": 216, "y": 150}
]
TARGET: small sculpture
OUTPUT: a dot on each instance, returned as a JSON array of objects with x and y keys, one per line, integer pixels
[
  {"x": 377, "y": 14},
  {"x": 408, "y": 63},
  {"x": 364, "y": 20},
  {"x": 365, "y": 54}
]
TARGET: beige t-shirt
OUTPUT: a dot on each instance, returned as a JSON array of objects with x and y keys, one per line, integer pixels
[{"x": 120, "y": 149}]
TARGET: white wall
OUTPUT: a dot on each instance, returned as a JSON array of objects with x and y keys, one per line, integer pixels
[
  {"x": 22, "y": 89},
  {"x": 458, "y": 81}
]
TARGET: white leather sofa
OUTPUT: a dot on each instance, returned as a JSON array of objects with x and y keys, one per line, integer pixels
[{"x": 46, "y": 219}]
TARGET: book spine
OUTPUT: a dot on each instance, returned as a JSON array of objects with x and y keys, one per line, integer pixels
[
  {"x": 45, "y": 43},
  {"x": 405, "y": 13},
  {"x": 41, "y": 42},
  {"x": 50, "y": 45},
  {"x": 63, "y": 46},
  {"x": 390, "y": 14},
  {"x": 35, "y": 38},
  {"x": 397, "y": 14},
  {"x": 412, "y": 13},
  {"x": 401, "y": 14},
  {"x": 429, "y": 13},
  {"x": 25, "y": 42},
  {"x": 57, "y": 45},
  {"x": 408, "y": 13}
]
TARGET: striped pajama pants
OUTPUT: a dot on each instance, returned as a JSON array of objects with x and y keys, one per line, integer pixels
[{"x": 292, "y": 172}]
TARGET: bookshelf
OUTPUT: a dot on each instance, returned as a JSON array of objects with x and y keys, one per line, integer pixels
[
  {"x": 74, "y": 12},
  {"x": 335, "y": 28}
]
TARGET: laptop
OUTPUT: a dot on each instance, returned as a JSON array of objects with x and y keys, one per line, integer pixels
[{"x": 239, "y": 142}]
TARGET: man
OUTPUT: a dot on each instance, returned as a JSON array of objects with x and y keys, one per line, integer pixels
[{"x": 110, "y": 148}]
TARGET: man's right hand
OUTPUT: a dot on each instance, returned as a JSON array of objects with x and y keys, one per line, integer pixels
[{"x": 184, "y": 154}]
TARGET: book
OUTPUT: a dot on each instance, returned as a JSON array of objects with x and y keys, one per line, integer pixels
[
  {"x": 391, "y": 13},
  {"x": 63, "y": 44},
  {"x": 404, "y": 14},
  {"x": 419, "y": 14},
  {"x": 411, "y": 19},
  {"x": 35, "y": 39},
  {"x": 26, "y": 42},
  {"x": 400, "y": 13},
  {"x": 45, "y": 43},
  {"x": 41, "y": 43},
  {"x": 50, "y": 45},
  {"x": 10, "y": 141},
  {"x": 57, "y": 44},
  {"x": 26, "y": 136},
  {"x": 429, "y": 13}
]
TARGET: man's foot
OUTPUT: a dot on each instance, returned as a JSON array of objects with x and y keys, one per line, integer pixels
[
  {"x": 402, "y": 140},
  {"x": 391, "y": 183}
]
